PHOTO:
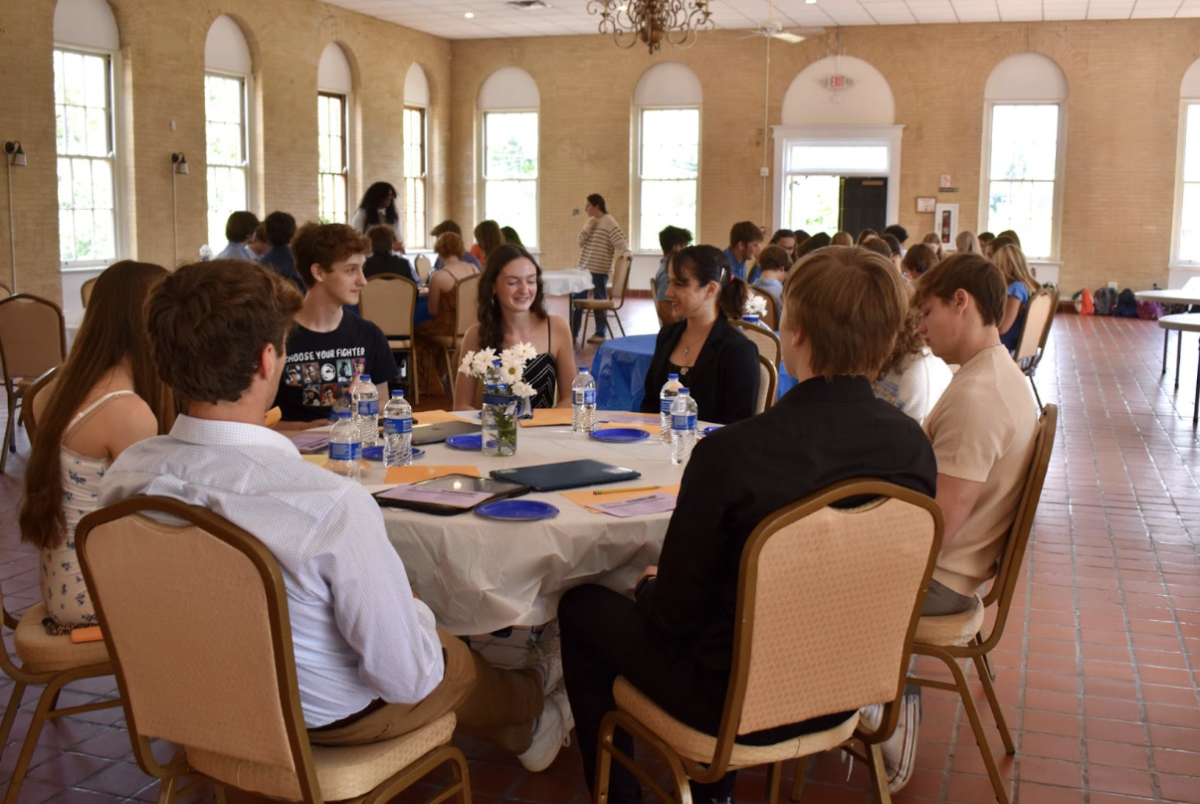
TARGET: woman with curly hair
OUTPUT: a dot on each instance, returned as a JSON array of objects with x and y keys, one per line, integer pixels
[{"x": 913, "y": 378}]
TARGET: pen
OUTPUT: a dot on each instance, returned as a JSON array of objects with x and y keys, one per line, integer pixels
[{"x": 620, "y": 491}]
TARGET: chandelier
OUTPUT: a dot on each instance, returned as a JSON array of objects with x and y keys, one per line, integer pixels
[{"x": 652, "y": 21}]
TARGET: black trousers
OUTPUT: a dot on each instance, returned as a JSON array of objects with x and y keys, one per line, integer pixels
[{"x": 604, "y": 636}]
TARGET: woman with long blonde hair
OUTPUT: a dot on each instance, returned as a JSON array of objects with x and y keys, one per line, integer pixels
[
  {"x": 106, "y": 397},
  {"x": 1021, "y": 284}
]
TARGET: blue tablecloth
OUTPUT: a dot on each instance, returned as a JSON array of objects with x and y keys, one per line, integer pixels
[{"x": 620, "y": 367}]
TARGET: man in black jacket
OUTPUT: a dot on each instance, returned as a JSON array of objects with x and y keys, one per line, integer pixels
[{"x": 842, "y": 307}]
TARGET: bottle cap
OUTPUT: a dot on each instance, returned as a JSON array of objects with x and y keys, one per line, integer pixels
[
  {"x": 683, "y": 392},
  {"x": 584, "y": 369},
  {"x": 672, "y": 376},
  {"x": 343, "y": 414},
  {"x": 397, "y": 393},
  {"x": 365, "y": 377}
]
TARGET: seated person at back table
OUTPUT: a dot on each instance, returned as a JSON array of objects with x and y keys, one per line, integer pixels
[
  {"x": 982, "y": 430},
  {"x": 674, "y": 641},
  {"x": 370, "y": 662},
  {"x": 718, "y": 364},
  {"x": 103, "y": 399},
  {"x": 511, "y": 311},
  {"x": 773, "y": 264},
  {"x": 443, "y": 310},
  {"x": 745, "y": 241},
  {"x": 382, "y": 260},
  {"x": 452, "y": 226},
  {"x": 331, "y": 345},
  {"x": 672, "y": 239}
]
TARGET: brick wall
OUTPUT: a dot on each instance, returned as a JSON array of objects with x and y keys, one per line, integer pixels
[{"x": 1121, "y": 122}]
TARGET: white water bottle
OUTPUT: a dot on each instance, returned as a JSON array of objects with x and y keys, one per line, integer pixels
[
  {"x": 683, "y": 427},
  {"x": 666, "y": 396},
  {"x": 364, "y": 397},
  {"x": 345, "y": 447},
  {"x": 583, "y": 402},
  {"x": 397, "y": 430}
]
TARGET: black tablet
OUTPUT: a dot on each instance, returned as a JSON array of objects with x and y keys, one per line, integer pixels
[{"x": 450, "y": 494}]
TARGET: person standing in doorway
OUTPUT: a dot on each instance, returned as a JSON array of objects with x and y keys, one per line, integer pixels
[{"x": 600, "y": 240}]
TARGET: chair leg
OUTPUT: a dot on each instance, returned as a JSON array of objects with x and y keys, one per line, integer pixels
[
  {"x": 619, "y": 324},
  {"x": 583, "y": 329},
  {"x": 774, "y": 772},
  {"x": 798, "y": 779},
  {"x": 412, "y": 374},
  {"x": 40, "y": 715},
  {"x": 168, "y": 788},
  {"x": 879, "y": 777},
  {"x": 10, "y": 440},
  {"x": 989, "y": 689},
  {"x": 1036, "y": 395},
  {"x": 989, "y": 761},
  {"x": 10, "y": 714}
]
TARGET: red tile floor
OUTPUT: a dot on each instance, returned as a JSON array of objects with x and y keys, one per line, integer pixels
[{"x": 1098, "y": 671}]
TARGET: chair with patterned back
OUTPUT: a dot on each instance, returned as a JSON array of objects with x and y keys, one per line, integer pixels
[
  {"x": 1039, "y": 315},
  {"x": 390, "y": 302},
  {"x": 34, "y": 403},
  {"x": 766, "y": 340},
  {"x": 85, "y": 290},
  {"x": 804, "y": 646},
  {"x": 960, "y": 636},
  {"x": 771, "y": 318},
  {"x": 423, "y": 268},
  {"x": 768, "y": 381},
  {"x": 466, "y": 315},
  {"x": 204, "y": 659},
  {"x": 615, "y": 300},
  {"x": 33, "y": 340}
]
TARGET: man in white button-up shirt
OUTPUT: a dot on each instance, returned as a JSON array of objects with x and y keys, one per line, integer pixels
[{"x": 370, "y": 661}]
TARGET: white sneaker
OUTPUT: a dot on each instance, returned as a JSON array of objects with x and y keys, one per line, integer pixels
[
  {"x": 900, "y": 750},
  {"x": 546, "y": 655},
  {"x": 551, "y": 732}
]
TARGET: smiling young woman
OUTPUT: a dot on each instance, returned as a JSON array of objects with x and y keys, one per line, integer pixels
[{"x": 511, "y": 311}]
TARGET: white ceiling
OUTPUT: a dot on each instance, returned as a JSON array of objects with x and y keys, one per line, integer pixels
[{"x": 496, "y": 19}]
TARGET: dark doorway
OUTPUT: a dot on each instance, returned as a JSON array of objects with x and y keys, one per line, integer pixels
[{"x": 864, "y": 204}]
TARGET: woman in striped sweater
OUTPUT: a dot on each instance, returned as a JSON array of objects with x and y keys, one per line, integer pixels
[{"x": 600, "y": 240}]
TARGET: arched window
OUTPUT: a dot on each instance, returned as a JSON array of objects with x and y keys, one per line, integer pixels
[
  {"x": 335, "y": 82},
  {"x": 227, "y": 71},
  {"x": 1186, "y": 241},
  {"x": 667, "y": 163},
  {"x": 509, "y": 103},
  {"x": 1022, "y": 152},
  {"x": 86, "y": 44},
  {"x": 416, "y": 107}
]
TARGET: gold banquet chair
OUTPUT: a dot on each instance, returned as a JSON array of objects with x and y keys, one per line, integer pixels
[
  {"x": 767, "y": 342},
  {"x": 390, "y": 302},
  {"x": 803, "y": 646},
  {"x": 33, "y": 340},
  {"x": 1039, "y": 316},
  {"x": 54, "y": 661},
  {"x": 466, "y": 315},
  {"x": 960, "y": 636},
  {"x": 196, "y": 620},
  {"x": 616, "y": 297},
  {"x": 768, "y": 380}
]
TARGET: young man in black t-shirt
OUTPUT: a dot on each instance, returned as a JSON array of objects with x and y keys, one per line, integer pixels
[{"x": 329, "y": 347}]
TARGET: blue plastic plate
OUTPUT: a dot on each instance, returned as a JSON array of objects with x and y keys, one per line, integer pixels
[
  {"x": 713, "y": 429},
  {"x": 517, "y": 510},
  {"x": 620, "y": 434},
  {"x": 375, "y": 453},
  {"x": 465, "y": 441}
]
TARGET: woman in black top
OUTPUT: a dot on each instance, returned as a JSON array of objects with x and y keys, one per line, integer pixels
[{"x": 718, "y": 364}]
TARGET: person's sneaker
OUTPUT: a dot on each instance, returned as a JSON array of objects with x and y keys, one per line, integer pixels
[
  {"x": 545, "y": 655},
  {"x": 596, "y": 339},
  {"x": 551, "y": 731},
  {"x": 900, "y": 750}
]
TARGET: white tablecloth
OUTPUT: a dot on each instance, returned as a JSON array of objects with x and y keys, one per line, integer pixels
[
  {"x": 480, "y": 575},
  {"x": 566, "y": 282}
]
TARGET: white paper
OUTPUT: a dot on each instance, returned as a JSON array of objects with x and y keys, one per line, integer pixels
[
  {"x": 455, "y": 499},
  {"x": 638, "y": 506}
]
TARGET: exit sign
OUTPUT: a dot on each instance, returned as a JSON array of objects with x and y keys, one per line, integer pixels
[{"x": 837, "y": 82}]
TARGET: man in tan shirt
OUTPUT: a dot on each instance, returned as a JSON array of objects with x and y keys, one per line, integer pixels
[{"x": 982, "y": 430}]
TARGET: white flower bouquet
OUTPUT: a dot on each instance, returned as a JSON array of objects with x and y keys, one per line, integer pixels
[
  {"x": 505, "y": 393},
  {"x": 755, "y": 305}
]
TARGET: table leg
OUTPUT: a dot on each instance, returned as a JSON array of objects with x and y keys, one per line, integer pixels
[
  {"x": 1196, "y": 400},
  {"x": 1178, "y": 352},
  {"x": 1166, "y": 340}
]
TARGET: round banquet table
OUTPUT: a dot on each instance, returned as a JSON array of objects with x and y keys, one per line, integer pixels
[
  {"x": 620, "y": 368},
  {"x": 480, "y": 575},
  {"x": 566, "y": 281}
]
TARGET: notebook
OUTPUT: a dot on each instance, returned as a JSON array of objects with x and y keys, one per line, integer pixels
[{"x": 566, "y": 475}]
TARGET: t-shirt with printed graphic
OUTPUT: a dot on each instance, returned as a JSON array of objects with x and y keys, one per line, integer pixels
[{"x": 322, "y": 365}]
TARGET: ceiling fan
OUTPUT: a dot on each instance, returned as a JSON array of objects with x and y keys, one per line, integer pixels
[{"x": 772, "y": 29}]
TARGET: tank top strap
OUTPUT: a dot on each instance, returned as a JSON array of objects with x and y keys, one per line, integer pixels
[
  {"x": 85, "y": 414},
  {"x": 549, "y": 342}
]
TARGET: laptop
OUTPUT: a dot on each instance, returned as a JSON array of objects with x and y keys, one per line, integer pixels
[
  {"x": 440, "y": 431},
  {"x": 566, "y": 475}
]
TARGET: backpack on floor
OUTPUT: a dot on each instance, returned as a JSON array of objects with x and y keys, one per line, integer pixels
[
  {"x": 1149, "y": 311},
  {"x": 1126, "y": 304},
  {"x": 1105, "y": 301},
  {"x": 1083, "y": 302}
]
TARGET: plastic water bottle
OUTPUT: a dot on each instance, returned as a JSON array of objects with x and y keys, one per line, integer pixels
[
  {"x": 666, "y": 396},
  {"x": 751, "y": 319},
  {"x": 683, "y": 427},
  {"x": 583, "y": 402},
  {"x": 365, "y": 398},
  {"x": 397, "y": 430},
  {"x": 345, "y": 447}
]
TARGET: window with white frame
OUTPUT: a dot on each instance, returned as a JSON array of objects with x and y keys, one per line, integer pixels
[
  {"x": 668, "y": 172},
  {"x": 1188, "y": 250},
  {"x": 85, "y": 141},
  {"x": 1022, "y": 173},
  {"x": 1022, "y": 165},
  {"x": 414, "y": 176},
  {"x": 510, "y": 171},
  {"x": 331, "y": 116},
  {"x": 225, "y": 129}
]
